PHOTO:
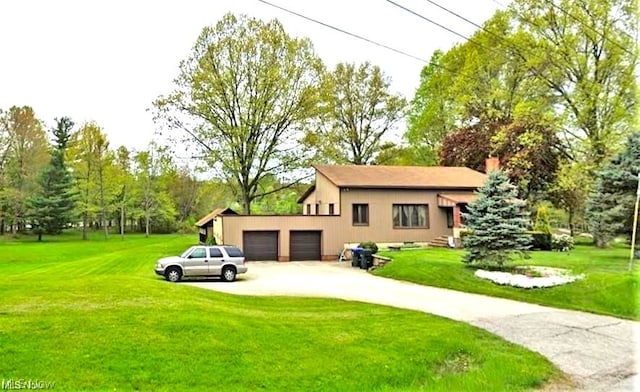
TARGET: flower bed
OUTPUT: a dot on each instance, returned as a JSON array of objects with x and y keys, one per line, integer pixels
[{"x": 530, "y": 277}]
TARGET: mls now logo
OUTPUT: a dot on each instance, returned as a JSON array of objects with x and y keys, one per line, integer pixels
[{"x": 12, "y": 384}]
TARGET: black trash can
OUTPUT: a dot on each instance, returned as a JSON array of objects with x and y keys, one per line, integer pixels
[
  {"x": 366, "y": 259},
  {"x": 355, "y": 256}
]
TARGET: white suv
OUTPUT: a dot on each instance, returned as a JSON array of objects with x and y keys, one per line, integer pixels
[{"x": 224, "y": 261}]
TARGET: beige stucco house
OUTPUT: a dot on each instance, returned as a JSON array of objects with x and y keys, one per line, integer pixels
[{"x": 351, "y": 204}]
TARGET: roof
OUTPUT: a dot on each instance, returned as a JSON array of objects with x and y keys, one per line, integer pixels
[
  {"x": 218, "y": 211},
  {"x": 416, "y": 177},
  {"x": 458, "y": 198}
]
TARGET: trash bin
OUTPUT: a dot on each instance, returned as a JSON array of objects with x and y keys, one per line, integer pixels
[
  {"x": 355, "y": 256},
  {"x": 366, "y": 259}
]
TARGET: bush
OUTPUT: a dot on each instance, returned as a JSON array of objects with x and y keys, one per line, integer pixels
[
  {"x": 369, "y": 245},
  {"x": 211, "y": 241},
  {"x": 542, "y": 220},
  {"x": 541, "y": 241},
  {"x": 562, "y": 242}
]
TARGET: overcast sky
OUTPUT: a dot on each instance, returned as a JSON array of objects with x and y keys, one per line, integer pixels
[{"x": 107, "y": 61}]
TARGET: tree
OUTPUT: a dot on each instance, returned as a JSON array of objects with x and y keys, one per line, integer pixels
[
  {"x": 497, "y": 221},
  {"x": 542, "y": 223},
  {"x": 26, "y": 154},
  {"x": 583, "y": 52},
  {"x": 125, "y": 179},
  {"x": 244, "y": 96},
  {"x": 358, "y": 111},
  {"x": 153, "y": 201},
  {"x": 610, "y": 205},
  {"x": 89, "y": 157},
  {"x": 51, "y": 208},
  {"x": 571, "y": 189}
]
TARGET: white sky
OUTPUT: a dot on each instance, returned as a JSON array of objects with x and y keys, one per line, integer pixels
[{"x": 107, "y": 61}]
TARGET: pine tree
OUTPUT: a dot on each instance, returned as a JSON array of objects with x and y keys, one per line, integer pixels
[
  {"x": 610, "y": 205},
  {"x": 51, "y": 208},
  {"x": 498, "y": 222}
]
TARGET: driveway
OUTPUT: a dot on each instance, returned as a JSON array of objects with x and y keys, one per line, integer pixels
[{"x": 598, "y": 352}]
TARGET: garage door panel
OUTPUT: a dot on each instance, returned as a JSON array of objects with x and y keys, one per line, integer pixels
[
  {"x": 304, "y": 245},
  {"x": 260, "y": 245}
]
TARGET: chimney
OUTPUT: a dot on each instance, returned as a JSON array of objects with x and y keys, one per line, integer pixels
[{"x": 491, "y": 163}]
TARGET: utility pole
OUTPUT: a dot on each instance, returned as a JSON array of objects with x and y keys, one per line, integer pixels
[{"x": 635, "y": 227}]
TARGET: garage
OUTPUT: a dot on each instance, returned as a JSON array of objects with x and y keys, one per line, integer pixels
[
  {"x": 304, "y": 245},
  {"x": 260, "y": 245}
]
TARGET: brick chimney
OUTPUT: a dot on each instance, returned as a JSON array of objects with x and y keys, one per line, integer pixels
[{"x": 491, "y": 163}]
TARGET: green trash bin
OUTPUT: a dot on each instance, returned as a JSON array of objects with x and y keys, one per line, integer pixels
[{"x": 366, "y": 259}]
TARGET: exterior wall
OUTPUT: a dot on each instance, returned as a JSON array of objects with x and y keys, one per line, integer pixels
[
  {"x": 331, "y": 239},
  {"x": 380, "y": 228},
  {"x": 326, "y": 193},
  {"x": 217, "y": 230},
  {"x": 338, "y": 230}
]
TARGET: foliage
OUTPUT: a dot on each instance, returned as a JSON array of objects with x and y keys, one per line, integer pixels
[
  {"x": 370, "y": 245},
  {"x": 571, "y": 189},
  {"x": 23, "y": 155},
  {"x": 582, "y": 52},
  {"x": 606, "y": 289},
  {"x": 120, "y": 327},
  {"x": 211, "y": 240},
  {"x": 610, "y": 205},
  {"x": 358, "y": 110},
  {"x": 562, "y": 242},
  {"x": 497, "y": 221},
  {"x": 244, "y": 95},
  {"x": 51, "y": 207},
  {"x": 542, "y": 223},
  {"x": 540, "y": 240}
]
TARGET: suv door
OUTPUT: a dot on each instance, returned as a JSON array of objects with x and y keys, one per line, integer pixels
[
  {"x": 216, "y": 259},
  {"x": 196, "y": 262}
]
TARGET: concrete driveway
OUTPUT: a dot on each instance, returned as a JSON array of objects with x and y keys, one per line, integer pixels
[{"x": 598, "y": 352}]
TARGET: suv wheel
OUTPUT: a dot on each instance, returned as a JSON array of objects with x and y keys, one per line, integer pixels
[
  {"x": 228, "y": 274},
  {"x": 173, "y": 274}
]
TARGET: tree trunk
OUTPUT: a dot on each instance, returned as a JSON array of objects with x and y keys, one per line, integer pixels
[
  {"x": 84, "y": 225},
  {"x": 122, "y": 217},
  {"x": 147, "y": 218},
  {"x": 247, "y": 205},
  {"x": 570, "y": 211},
  {"x": 39, "y": 236}
]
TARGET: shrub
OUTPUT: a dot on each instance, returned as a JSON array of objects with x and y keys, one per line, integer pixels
[
  {"x": 212, "y": 241},
  {"x": 562, "y": 242},
  {"x": 369, "y": 245},
  {"x": 541, "y": 241},
  {"x": 542, "y": 220}
]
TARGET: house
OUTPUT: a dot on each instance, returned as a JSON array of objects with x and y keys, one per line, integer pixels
[
  {"x": 206, "y": 224},
  {"x": 351, "y": 204}
]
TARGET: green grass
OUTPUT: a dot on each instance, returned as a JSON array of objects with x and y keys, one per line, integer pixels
[
  {"x": 93, "y": 316},
  {"x": 607, "y": 288}
]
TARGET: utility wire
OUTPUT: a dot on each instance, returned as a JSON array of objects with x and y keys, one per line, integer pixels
[
  {"x": 601, "y": 35},
  {"x": 345, "y": 32}
]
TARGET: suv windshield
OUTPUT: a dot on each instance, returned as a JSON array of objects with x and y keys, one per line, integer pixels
[{"x": 186, "y": 252}]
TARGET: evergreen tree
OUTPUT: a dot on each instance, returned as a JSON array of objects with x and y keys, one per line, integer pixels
[
  {"x": 51, "y": 207},
  {"x": 542, "y": 224},
  {"x": 610, "y": 205},
  {"x": 498, "y": 224}
]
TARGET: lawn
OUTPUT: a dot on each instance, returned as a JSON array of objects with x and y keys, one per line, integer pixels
[
  {"x": 607, "y": 288},
  {"x": 92, "y": 316}
]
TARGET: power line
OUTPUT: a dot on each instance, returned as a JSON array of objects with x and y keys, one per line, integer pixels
[
  {"x": 345, "y": 32},
  {"x": 601, "y": 35}
]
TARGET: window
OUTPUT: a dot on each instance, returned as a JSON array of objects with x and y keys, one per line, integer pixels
[
  {"x": 331, "y": 209},
  {"x": 215, "y": 252},
  {"x": 232, "y": 251},
  {"x": 449, "y": 218},
  {"x": 308, "y": 209},
  {"x": 317, "y": 208},
  {"x": 361, "y": 214},
  {"x": 411, "y": 215},
  {"x": 198, "y": 253}
]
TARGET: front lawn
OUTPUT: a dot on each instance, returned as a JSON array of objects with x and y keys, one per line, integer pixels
[
  {"x": 607, "y": 288},
  {"x": 93, "y": 316}
]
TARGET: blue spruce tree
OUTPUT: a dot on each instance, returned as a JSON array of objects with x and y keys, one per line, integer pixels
[{"x": 498, "y": 223}]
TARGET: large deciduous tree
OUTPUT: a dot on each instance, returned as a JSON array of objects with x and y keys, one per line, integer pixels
[
  {"x": 359, "y": 109},
  {"x": 51, "y": 207},
  {"x": 244, "y": 96},
  {"x": 24, "y": 155}
]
